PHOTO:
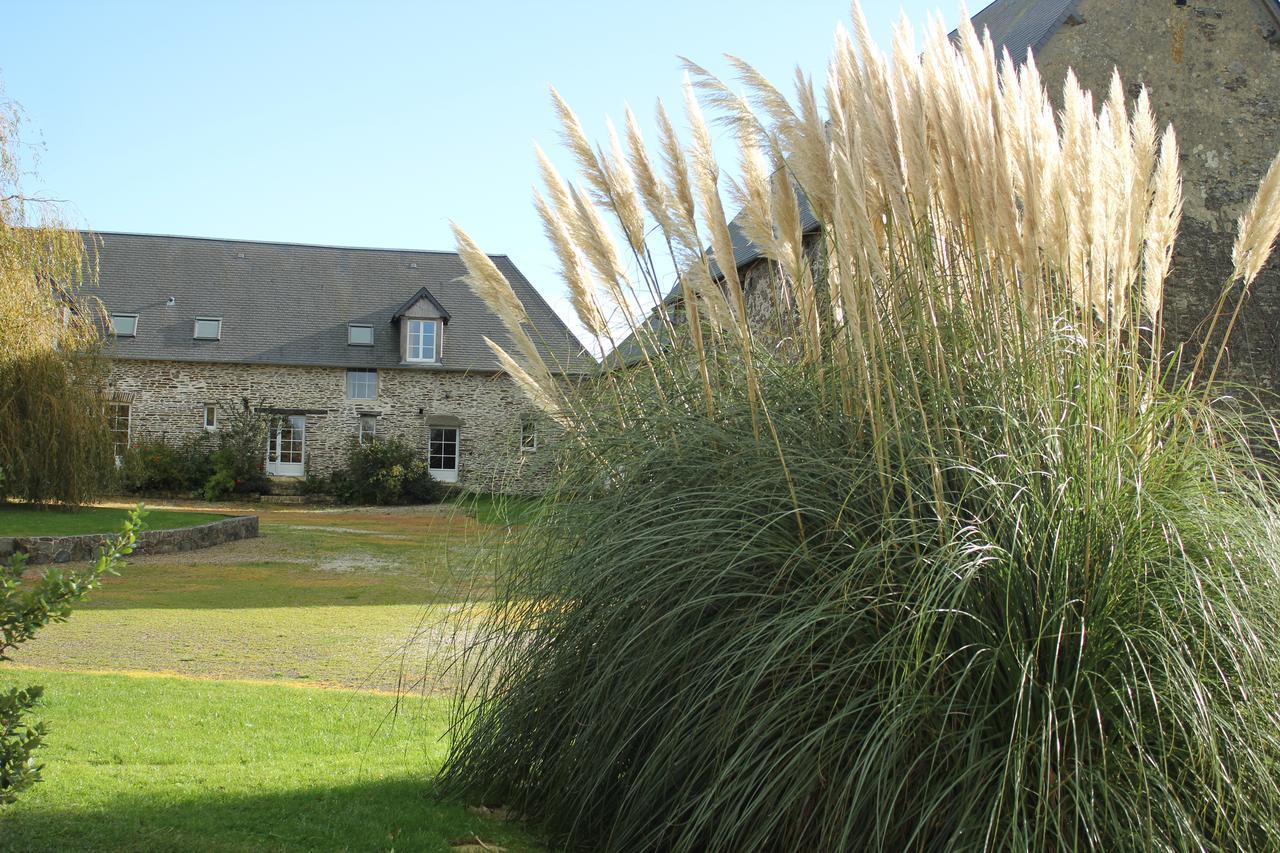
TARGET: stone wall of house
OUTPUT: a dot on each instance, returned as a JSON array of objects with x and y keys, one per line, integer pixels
[
  {"x": 167, "y": 400},
  {"x": 1213, "y": 70}
]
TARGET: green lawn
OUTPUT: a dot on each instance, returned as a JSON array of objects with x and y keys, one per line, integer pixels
[
  {"x": 499, "y": 509},
  {"x": 346, "y": 598},
  {"x": 181, "y": 705},
  {"x": 170, "y": 764},
  {"x": 25, "y": 520}
]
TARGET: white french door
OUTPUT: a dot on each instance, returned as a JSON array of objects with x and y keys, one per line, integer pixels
[
  {"x": 286, "y": 446},
  {"x": 442, "y": 454}
]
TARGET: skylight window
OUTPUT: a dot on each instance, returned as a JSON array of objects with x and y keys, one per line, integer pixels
[
  {"x": 124, "y": 325},
  {"x": 359, "y": 335},
  {"x": 208, "y": 329}
]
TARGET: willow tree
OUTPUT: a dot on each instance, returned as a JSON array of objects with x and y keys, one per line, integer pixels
[{"x": 55, "y": 445}]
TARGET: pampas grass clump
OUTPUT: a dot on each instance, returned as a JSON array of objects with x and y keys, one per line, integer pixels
[{"x": 966, "y": 558}]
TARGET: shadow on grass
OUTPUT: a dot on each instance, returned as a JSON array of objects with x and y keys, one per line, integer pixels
[
  {"x": 275, "y": 597},
  {"x": 396, "y": 813}
]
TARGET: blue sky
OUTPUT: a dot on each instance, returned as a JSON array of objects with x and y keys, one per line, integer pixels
[{"x": 367, "y": 124}]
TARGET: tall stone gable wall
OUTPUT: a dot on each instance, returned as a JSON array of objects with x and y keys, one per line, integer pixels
[
  {"x": 167, "y": 400},
  {"x": 1213, "y": 70}
]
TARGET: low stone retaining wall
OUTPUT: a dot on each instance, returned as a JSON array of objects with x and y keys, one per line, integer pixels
[{"x": 66, "y": 549}]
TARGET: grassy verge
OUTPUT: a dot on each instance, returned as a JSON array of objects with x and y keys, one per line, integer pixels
[
  {"x": 166, "y": 764},
  {"x": 25, "y": 520},
  {"x": 504, "y": 510}
]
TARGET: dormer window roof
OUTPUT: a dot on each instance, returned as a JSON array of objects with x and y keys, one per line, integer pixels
[{"x": 422, "y": 305}]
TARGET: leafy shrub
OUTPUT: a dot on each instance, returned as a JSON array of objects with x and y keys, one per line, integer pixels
[
  {"x": 315, "y": 485},
  {"x": 386, "y": 471},
  {"x": 154, "y": 466},
  {"x": 24, "y": 610},
  {"x": 220, "y": 485},
  {"x": 241, "y": 453},
  {"x": 963, "y": 559},
  {"x": 214, "y": 465}
]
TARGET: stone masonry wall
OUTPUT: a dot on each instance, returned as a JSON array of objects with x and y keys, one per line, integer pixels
[
  {"x": 167, "y": 401},
  {"x": 1213, "y": 69},
  {"x": 65, "y": 549}
]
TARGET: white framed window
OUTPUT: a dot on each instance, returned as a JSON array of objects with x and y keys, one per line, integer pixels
[
  {"x": 359, "y": 335},
  {"x": 367, "y": 430},
  {"x": 208, "y": 329},
  {"x": 528, "y": 435},
  {"x": 423, "y": 340},
  {"x": 442, "y": 454},
  {"x": 210, "y": 417},
  {"x": 119, "y": 416},
  {"x": 362, "y": 384},
  {"x": 122, "y": 325}
]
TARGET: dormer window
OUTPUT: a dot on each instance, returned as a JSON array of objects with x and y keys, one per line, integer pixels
[
  {"x": 422, "y": 341},
  {"x": 359, "y": 335},
  {"x": 124, "y": 325},
  {"x": 421, "y": 320},
  {"x": 208, "y": 329}
]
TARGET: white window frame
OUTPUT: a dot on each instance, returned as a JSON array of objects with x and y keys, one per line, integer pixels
[
  {"x": 362, "y": 436},
  {"x": 445, "y": 475},
  {"x": 362, "y": 381},
  {"x": 211, "y": 417},
  {"x": 529, "y": 429},
  {"x": 114, "y": 331},
  {"x": 410, "y": 326},
  {"x": 351, "y": 342},
  {"x": 297, "y": 426},
  {"x": 119, "y": 449},
  {"x": 195, "y": 330}
]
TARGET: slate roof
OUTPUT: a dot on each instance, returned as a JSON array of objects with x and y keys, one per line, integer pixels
[
  {"x": 1019, "y": 25},
  {"x": 289, "y": 304}
]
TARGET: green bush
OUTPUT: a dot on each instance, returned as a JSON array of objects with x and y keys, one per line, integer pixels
[
  {"x": 214, "y": 465},
  {"x": 386, "y": 471},
  {"x": 220, "y": 485},
  {"x": 241, "y": 450},
  {"x": 156, "y": 467}
]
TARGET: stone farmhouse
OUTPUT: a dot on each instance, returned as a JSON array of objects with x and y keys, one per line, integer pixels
[
  {"x": 331, "y": 346},
  {"x": 1213, "y": 70}
]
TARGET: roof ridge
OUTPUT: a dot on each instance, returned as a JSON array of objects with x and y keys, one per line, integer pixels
[{"x": 92, "y": 233}]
